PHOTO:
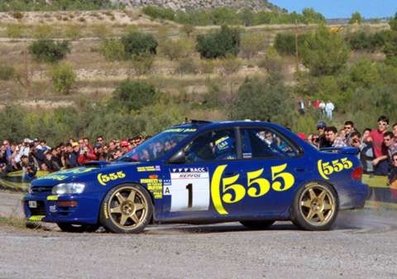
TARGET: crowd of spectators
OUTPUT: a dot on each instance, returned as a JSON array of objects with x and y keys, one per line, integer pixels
[
  {"x": 33, "y": 155},
  {"x": 378, "y": 146}
]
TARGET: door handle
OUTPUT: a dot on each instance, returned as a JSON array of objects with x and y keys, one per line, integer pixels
[{"x": 299, "y": 169}]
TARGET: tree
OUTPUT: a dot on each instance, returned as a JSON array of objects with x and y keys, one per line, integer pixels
[
  {"x": 356, "y": 18},
  {"x": 219, "y": 44},
  {"x": 45, "y": 50},
  {"x": 134, "y": 95},
  {"x": 137, "y": 43},
  {"x": 63, "y": 78},
  {"x": 393, "y": 23},
  {"x": 324, "y": 52}
]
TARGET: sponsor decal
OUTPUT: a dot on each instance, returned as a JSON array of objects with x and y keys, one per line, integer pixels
[
  {"x": 104, "y": 178},
  {"x": 155, "y": 186},
  {"x": 148, "y": 168},
  {"x": 328, "y": 168}
]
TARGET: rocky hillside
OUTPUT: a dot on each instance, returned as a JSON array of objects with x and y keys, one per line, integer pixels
[{"x": 199, "y": 4}]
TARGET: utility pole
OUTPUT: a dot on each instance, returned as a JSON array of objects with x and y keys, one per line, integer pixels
[{"x": 296, "y": 47}]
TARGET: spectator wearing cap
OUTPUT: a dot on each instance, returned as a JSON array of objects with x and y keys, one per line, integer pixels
[
  {"x": 24, "y": 150},
  {"x": 322, "y": 141}
]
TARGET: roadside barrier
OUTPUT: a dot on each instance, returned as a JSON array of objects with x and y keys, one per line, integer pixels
[{"x": 381, "y": 195}]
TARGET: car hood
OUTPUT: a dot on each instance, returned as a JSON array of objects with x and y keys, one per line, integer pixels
[{"x": 83, "y": 173}]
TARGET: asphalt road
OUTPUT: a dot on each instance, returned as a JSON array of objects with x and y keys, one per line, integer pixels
[{"x": 362, "y": 245}]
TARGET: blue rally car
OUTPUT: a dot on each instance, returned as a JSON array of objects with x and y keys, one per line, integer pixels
[{"x": 204, "y": 172}]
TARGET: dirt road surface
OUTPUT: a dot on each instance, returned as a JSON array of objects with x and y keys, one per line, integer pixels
[{"x": 362, "y": 245}]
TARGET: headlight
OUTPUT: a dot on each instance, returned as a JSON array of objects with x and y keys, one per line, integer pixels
[{"x": 68, "y": 188}]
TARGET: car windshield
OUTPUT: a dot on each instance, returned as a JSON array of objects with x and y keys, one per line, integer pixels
[{"x": 156, "y": 146}]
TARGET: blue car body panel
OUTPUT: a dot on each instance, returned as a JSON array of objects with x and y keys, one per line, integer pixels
[{"x": 240, "y": 186}]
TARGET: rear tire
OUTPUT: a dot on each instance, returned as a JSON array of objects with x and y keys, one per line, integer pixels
[
  {"x": 257, "y": 225},
  {"x": 76, "y": 228},
  {"x": 315, "y": 207}
]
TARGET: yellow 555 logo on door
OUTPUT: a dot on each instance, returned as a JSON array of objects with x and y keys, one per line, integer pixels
[
  {"x": 225, "y": 190},
  {"x": 103, "y": 179},
  {"x": 327, "y": 168}
]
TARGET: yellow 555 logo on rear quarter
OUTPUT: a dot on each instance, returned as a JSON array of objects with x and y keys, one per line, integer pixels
[
  {"x": 327, "y": 168},
  {"x": 103, "y": 179},
  {"x": 225, "y": 190}
]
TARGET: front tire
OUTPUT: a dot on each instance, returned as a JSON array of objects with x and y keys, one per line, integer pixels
[
  {"x": 126, "y": 209},
  {"x": 315, "y": 207}
]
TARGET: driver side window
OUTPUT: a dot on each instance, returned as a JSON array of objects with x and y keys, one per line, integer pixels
[{"x": 212, "y": 146}]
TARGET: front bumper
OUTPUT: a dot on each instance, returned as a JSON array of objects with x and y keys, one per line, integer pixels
[{"x": 61, "y": 209}]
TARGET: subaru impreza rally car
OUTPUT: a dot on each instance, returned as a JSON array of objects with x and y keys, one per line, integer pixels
[{"x": 204, "y": 172}]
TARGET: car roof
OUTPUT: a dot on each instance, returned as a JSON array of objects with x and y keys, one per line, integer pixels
[{"x": 204, "y": 125}]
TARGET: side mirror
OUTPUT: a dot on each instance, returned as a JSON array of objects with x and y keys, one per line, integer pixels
[{"x": 178, "y": 158}]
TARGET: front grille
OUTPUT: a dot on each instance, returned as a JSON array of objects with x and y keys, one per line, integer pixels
[
  {"x": 39, "y": 210},
  {"x": 41, "y": 189}
]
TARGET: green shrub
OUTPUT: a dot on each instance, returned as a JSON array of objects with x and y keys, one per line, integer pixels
[
  {"x": 175, "y": 49},
  {"x": 219, "y": 44},
  {"x": 112, "y": 49},
  {"x": 161, "y": 13},
  {"x": 137, "y": 43},
  {"x": 134, "y": 95},
  {"x": 63, "y": 78},
  {"x": 48, "y": 50},
  {"x": 251, "y": 44},
  {"x": 6, "y": 72}
]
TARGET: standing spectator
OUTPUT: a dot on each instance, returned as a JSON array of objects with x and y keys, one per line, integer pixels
[
  {"x": 301, "y": 104},
  {"x": 29, "y": 168},
  {"x": 322, "y": 141},
  {"x": 349, "y": 129},
  {"x": 394, "y": 127},
  {"x": 329, "y": 108},
  {"x": 380, "y": 166},
  {"x": 331, "y": 134},
  {"x": 322, "y": 107}
]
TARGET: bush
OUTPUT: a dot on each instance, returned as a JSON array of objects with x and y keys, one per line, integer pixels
[
  {"x": 6, "y": 72},
  {"x": 186, "y": 66},
  {"x": 161, "y": 13},
  {"x": 112, "y": 50},
  {"x": 134, "y": 95},
  {"x": 49, "y": 51},
  {"x": 175, "y": 49},
  {"x": 219, "y": 44},
  {"x": 137, "y": 43},
  {"x": 251, "y": 44},
  {"x": 63, "y": 78}
]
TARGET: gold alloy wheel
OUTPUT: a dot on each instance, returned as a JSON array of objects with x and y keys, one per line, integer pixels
[
  {"x": 127, "y": 207},
  {"x": 317, "y": 204}
]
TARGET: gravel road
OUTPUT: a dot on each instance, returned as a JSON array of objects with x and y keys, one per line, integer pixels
[{"x": 362, "y": 245}]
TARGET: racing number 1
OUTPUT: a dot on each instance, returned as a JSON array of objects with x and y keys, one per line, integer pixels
[{"x": 189, "y": 188}]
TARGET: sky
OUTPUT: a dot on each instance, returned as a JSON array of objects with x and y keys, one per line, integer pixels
[{"x": 342, "y": 8}]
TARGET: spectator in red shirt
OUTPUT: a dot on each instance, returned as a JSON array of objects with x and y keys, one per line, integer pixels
[{"x": 380, "y": 164}]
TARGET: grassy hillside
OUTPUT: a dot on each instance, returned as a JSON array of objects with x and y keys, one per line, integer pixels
[{"x": 188, "y": 79}]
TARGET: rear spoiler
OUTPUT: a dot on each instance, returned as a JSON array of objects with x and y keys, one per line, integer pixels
[{"x": 341, "y": 150}]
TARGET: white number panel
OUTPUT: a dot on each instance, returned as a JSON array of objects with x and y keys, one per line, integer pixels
[{"x": 189, "y": 189}]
